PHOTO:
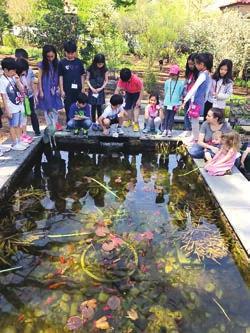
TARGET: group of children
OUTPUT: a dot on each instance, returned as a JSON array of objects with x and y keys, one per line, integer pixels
[{"x": 61, "y": 84}]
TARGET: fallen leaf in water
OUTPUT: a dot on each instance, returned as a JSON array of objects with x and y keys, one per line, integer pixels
[
  {"x": 49, "y": 300},
  {"x": 114, "y": 302},
  {"x": 62, "y": 260},
  {"x": 102, "y": 323},
  {"x": 74, "y": 323},
  {"x": 132, "y": 314},
  {"x": 91, "y": 303},
  {"x": 87, "y": 312},
  {"x": 118, "y": 180},
  {"x": 57, "y": 285},
  {"x": 116, "y": 240},
  {"x": 101, "y": 231},
  {"x": 107, "y": 247},
  {"x": 21, "y": 317},
  {"x": 148, "y": 235}
]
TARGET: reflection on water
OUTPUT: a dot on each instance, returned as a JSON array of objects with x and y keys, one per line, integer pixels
[{"x": 134, "y": 235}]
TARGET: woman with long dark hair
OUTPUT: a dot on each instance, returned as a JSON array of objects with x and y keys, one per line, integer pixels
[{"x": 49, "y": 99}]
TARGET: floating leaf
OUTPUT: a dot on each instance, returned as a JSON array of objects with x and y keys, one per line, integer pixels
[
  {"x": 132, "y": 314},
  {"x": 74, "y": 323},
  {"x": 91, "y": 303},
  {"x": 102, "y": 231},
  {"x": 108, "y": 246},
  {"x": 114, "y": 302},
  {"x": 116, "y": 240},
  {"x": 148, "y": 235},
  {"x": 102, "y": 323}
]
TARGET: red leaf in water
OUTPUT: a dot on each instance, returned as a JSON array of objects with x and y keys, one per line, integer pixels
[
  {"x": 106, "y": 308},
  {"x": 108, "y": 246},
  {"x": 116, "y": 240},
  {"x": 74, "y": 323},
  {"x": 101, "y": 231},
  {"x": 57, "y": 285},
  {"x": 62, "y": 260},
  {"x": 21, "y": 317},
  {"x": 148, "y": 235},
  {"x": 114, "y": 302},
  {"x": 49, "y": 300},
  {"x": 87, "y": 312}
]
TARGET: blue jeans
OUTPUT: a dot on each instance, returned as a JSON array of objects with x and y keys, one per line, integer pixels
[
  {"x": 187, "y": 123},
  {"x": 196, "y": 151},
  {"x": 168, "y": 121},
  {"x": 74, "y": 124}
]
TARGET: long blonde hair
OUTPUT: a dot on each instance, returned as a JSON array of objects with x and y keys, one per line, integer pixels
[{"x": 231, "y": 140}]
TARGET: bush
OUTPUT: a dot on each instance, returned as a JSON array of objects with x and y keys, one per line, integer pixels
[{"x": 150, "y": 82}]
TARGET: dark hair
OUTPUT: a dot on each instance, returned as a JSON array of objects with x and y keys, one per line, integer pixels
[
  {"x": 45, "y": 62},
  {"x": 206, "y": 58},
  {"x": 8, "y": 63},
  {"x": 21, "y": 66},
  {"x": 219, "y": 114},
  {"x": 82, "y": 98},
  {"x": 21, "y": 53},
  {"x": 156, "y": 96},
  {"x": 125, "y": 74},
  {"x": 188, "y": 71},
  {"x": 98, "y": 59},
  {"x": 116, "y": 99},
  {"x": 70, "y": 46},
  {"x": 229, "y": 76}
]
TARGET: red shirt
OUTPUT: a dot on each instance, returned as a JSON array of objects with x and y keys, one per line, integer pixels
[{"x": 134, "y": 85}]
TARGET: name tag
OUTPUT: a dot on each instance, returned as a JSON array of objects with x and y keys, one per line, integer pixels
[
  {"x": 74, "y": 86},
  {"x": 95, "y": 95}
]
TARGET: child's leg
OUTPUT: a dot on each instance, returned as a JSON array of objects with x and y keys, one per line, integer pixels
[
  {"x": 157, "y": 123},
  {"x": 33, "y": 117},
  {"x": 86, "y": 124},
  {"x": 106, "y": 123},
  {"x": 244, "y": 156},
  {"x": 195, "y": 128},
  {"x": 166, "y": 118},
  {"x": 187, "y": 122},
  {"x": 170, "y": 119},
  {"x": 71, "y": 124},
  {"x": 99, "y": 110},
  {"x": 24, "y": 124},
  {"x": 93, "y": 113}
]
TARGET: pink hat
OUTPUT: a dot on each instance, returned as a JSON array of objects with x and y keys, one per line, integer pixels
[{"x": 174, "y": 69}]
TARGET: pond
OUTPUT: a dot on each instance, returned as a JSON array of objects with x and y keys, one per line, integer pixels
[{"x": 118, "y": 243}]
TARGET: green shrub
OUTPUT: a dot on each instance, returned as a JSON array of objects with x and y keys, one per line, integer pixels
[{"x": 150, "y": 82}]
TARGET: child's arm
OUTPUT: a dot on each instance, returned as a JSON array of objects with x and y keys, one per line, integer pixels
[
  {"x": 82, "y": 81},
  {"x": 228, "y": 92},
  {"x": 5, "y": 105},
  {"x": 138, "y": 103},
  {"x": 61, "y": 86},
  {"x": 192, "y": 91},
  {"x": 40, "y": 73},
  {"x": 19, "y": 84},
  {"x": 88, "y": 83},
  {"x": 106, "y": 80},
  {"x": 244, "y": 156},
  {"x": 227, "y": 157}
]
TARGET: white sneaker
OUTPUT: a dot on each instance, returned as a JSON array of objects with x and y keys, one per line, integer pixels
[
  {"x": 145, "y": 130},
  {"x": 5, "y": 148},
  {"x": 120, "y": 131},
  {"x": 24, "y": 144},
  {"x": 18, "y": 146},
  {"x": 1, "y": 153},
  {"x": 115, "y": 135},
  {"x": 169, "y": 133},
  {"x": 164, "y": 133}
]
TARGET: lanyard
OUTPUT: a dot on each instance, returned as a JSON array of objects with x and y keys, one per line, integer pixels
[{"x": 171, "y": 93}]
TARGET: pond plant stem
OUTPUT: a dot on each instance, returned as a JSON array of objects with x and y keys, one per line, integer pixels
[
  {"x": 221, "y": 308},
  {"x": 105, "y": 187},
  {"x": 10, "y": 269}
]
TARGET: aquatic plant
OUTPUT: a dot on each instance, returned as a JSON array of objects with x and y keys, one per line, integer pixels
[
  {"x": 204, "y": 241},
  {"x": 163, "y": 318}
]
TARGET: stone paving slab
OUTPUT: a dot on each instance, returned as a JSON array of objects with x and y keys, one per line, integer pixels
[{"x": 232, "y": 192}]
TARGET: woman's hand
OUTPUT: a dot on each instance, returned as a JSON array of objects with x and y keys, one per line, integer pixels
[
  {"x": 41, "y": 94},
  {"x": 214, "y": 149}
]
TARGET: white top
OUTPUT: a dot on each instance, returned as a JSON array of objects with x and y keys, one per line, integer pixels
[
  {"x": 110, "y": 112},
  {"x": 224, "y": 91},
  {"x": 9, "y": 89},
  {"x": 190, "y": 95}
]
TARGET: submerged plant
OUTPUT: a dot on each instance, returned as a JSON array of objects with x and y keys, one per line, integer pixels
[
  {"x": 204, "y": 241},
  {"x": 163, "y": 318}
]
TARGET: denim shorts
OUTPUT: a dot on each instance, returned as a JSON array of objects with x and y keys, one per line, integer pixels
[
  {"x": 16, "y": 120},
  {"x": 130, "y": 100}
]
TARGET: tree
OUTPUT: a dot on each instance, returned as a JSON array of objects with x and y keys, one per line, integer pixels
[
  {"x": 22, "y": 13},
  {"x": 54, "y": 27},
  {"x": 5, "y": 22}
]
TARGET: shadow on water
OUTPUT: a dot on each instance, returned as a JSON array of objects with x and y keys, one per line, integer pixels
[{"x": 137, "y": 234}]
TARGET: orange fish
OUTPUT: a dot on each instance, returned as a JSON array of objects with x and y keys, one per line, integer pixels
[{"x": 57, "y": 285}]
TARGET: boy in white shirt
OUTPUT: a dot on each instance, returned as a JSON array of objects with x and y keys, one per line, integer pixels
[
  {"x": 11, "y": 90},
  {"x": 113, "y": 114}
]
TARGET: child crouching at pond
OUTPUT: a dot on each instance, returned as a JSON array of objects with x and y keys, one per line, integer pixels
[
  {"x": 113, "y": 114},
  {"x": 224, "y": 159},
  {"x": 80, "y": 115},
  {"x": 153, "y": 115}
]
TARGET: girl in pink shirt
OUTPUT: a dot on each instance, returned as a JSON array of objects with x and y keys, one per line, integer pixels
[
  {"x": 223, "y": 161},
  {"x": 153, "y": 115}
]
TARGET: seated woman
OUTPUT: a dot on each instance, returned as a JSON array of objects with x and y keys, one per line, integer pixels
[
  {"x": 215, "y": 122},
  {"x": 224, "y": 159}
]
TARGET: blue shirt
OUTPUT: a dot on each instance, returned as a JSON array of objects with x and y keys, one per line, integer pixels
[
  {"x": 173, "y": 90},
  {"x": 75, "y": 110}
]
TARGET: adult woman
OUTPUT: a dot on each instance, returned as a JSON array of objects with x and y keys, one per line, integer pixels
[
  {"x": 49, "y": 99},
  {"x": 214, "y": 123}
]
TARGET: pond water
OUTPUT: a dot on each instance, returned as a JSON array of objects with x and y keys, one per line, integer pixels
[{"x": 117, "y": 243}]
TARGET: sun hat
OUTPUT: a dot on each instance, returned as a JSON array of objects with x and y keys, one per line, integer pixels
[{"x": 174, "y": 69}]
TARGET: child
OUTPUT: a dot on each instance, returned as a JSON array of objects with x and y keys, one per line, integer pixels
[
  {"x": 216, "y": 142},
  {"x": 97, "y": 79},
  {"x": 80, "y": 114},
  {"x": 30, "y": 78},
  {"x": 11, "y": 90},
  {"x": 71, "y": 76},
  {"x": 197, "y": 94},
  {"x": 222, "y": 84},
  {"x": 208, "y": 105},
  {"x": 244, "y": 156},
  {"x": 153, "y": 115},
  {"x": 173, "y": 90},
  {"x": 191, "y": 75},
  {"x": 133, "y": 87},
  {"x": 49, "y": 99},
  {"x": 223, "y": 161},
  {"x": 113, "y": 114}
]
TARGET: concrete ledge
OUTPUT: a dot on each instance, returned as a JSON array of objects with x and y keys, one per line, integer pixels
[{"x": 232, "y": 193}]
